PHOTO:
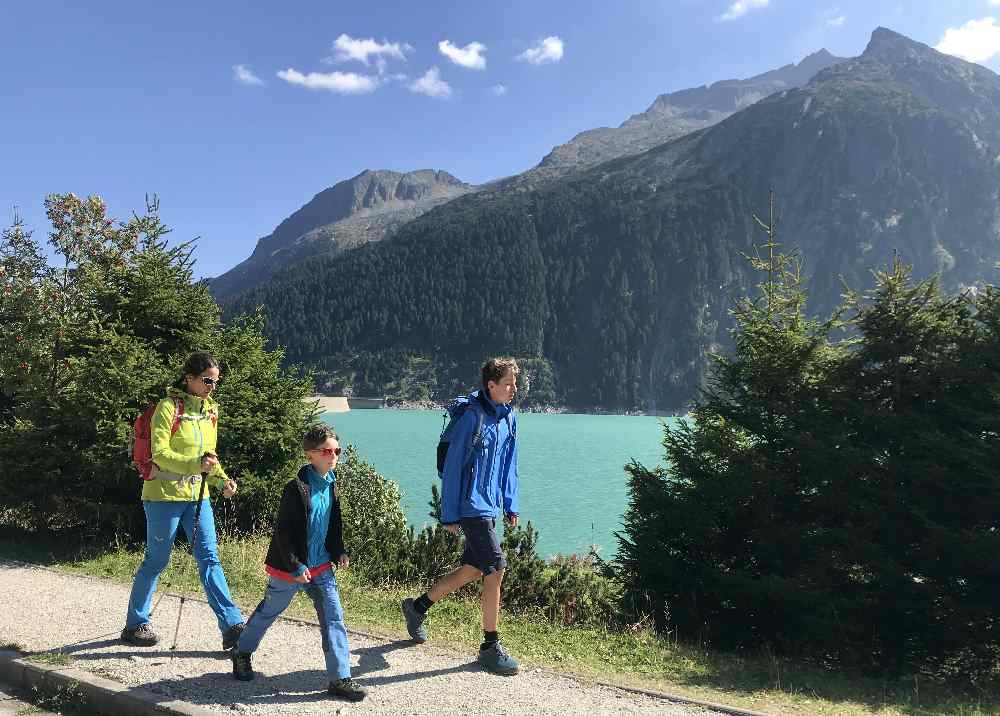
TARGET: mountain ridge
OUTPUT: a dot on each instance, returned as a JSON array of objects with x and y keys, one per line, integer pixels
[
  {"x": 308, "y": 232},
  {"x": 675, "y": 114},
  {"x": 365, "y": 207},
  {"x": 617, "y": 280}
]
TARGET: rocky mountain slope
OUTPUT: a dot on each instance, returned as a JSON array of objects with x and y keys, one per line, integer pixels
[
  {"x": 674, "y": 115},
  {"x": 374, "y": 204},
  {"x": 621, "y": 277},
  {"x": 368, "y": 207}
]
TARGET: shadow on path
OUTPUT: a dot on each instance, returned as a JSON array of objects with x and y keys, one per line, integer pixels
[
  {"x": 293, "y": 687},
  {"x": 85, "y": 651}
]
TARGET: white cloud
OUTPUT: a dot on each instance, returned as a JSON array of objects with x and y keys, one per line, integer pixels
[
  {"x": 975, "y": 41},
  {"x": 470, "y": 56},
  {"x": 741, "y": 7},
  {"x": 347, "y": 48},
  {"x": 245, "y": 75},
  {"x": 994, "y": 3},
  {"x": 431, "y": 84},
  {"x": 499, "y": 90},
  {"x": 839, "y": 20},
  {"x": 548, "y": 50},
  {"x": 339, "y": 82}
]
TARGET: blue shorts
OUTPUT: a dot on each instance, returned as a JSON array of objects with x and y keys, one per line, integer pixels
[{"x": 482, "y": 548}]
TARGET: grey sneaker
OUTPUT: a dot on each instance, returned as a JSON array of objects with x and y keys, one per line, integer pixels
[
  {"x": 242, "y": 668},
  {"x": 494, "y": 657},
  {"x": 414, "y": 621},
  {"x": 232, "y": 636},
  {"x": 142, "y": 635},
  {"x": 347, "y": 689}
]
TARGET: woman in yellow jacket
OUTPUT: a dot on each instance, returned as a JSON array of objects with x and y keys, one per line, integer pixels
[{"x": 183, "y": 448}]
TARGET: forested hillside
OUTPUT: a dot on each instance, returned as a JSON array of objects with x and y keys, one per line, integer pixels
[{"x": 622, "y": 277}]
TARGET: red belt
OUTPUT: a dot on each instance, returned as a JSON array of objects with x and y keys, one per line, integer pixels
[{"x": 289, "y": 577}]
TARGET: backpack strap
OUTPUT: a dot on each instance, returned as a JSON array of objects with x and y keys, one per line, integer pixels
[
  {"x": 477, "y": 437},
  {"x": 178, "y": 412}
]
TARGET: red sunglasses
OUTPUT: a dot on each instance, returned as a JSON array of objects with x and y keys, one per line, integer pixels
[{"x": 327, "y": 452}]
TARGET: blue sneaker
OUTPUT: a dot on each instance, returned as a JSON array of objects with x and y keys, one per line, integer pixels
[
  {"x": 414, "y": 621},
  {"x": 493, "y": 657}
]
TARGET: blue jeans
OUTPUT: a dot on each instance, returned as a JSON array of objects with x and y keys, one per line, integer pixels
[
  {"x": 323, "y": 592},
  {"x": 162, "y": 521}
]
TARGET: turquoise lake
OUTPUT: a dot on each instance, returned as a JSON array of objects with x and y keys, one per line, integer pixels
[{"x": 574, "y": 488}]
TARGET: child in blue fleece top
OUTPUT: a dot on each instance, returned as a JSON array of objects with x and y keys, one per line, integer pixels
[
  {"x": 307, "y": 540},
  {"x": 473, "y": 495}
]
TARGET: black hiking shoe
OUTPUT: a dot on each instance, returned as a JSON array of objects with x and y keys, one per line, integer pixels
[
  {"x": 493, "y": 657},
  {"x": 347, "y": 689},
  {"x": 242, "y": 669},
  {"x": 232, "y": 636},
  {"x": 142, "y": 635},
  {"x": 414, "y": 621}
]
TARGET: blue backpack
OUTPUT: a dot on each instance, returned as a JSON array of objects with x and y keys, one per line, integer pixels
[{"x": 456, "y": 409}]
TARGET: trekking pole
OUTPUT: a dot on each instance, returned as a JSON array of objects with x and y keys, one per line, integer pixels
[{"x": 194, "y": 537}]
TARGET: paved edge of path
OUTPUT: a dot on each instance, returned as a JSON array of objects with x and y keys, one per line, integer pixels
[
  {"x": 113, "y": 697},
  {"x": 102, "y": 695}
]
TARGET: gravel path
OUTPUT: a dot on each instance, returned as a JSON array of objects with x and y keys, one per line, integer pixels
[{"x": 42, "y": 609}]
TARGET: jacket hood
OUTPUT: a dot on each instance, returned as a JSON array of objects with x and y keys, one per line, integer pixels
[{"x": 500, "y": 411}]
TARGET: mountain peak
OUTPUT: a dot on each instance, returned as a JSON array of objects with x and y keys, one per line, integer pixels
[
  {"x": 366, "y": 207},
  {"x": 886, "y": 43},
  {"x": 823, "y": 56}
]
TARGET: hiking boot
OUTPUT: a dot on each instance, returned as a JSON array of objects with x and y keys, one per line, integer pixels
[
  {"x": 242, "y": 669},
  {"x": 231, "y": 636},
  {"x": 414, "y": 621},
  {"x": 493, "y": 657},
  {"x": 347, "y": 689},
  {"x": 142, "y": 635}
]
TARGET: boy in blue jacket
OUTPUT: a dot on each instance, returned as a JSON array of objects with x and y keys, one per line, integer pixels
[
  {"x": 472, "y": 496},
  {"x": 306, "y": 544}
]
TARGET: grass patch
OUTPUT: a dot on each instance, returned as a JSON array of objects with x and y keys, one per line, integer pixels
[
  {"x": 50, "y": 658},
  {"x": 11, "y": 646},
  {"x": 638, "y": 658}
]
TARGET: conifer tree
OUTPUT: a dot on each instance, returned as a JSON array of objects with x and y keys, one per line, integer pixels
[
  {"x": 88, "y": 342},
  {"x": 835, "y": 498},
  {"x": 924, "y": 387}
]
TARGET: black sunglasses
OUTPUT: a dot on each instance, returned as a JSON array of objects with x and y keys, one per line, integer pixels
[{"x": 210, "y": 382}]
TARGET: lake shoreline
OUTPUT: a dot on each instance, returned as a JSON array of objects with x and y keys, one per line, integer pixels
[{"x": 339, "y": 404}]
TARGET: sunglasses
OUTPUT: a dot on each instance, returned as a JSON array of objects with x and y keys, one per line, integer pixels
[
  {"x": 327, "y": 452},
  {"x": 210, "y": 382}
]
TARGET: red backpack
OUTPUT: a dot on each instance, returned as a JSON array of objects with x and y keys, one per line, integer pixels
[{"x": 142, "y": 439}]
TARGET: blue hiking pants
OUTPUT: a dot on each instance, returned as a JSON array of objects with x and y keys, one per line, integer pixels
[
  {"x": 323, "y": 592},
  {"x": 162, "y": 520}
]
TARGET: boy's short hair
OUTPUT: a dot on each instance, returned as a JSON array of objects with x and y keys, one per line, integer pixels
[
  {"x": 316, "y": 435},
  {"x": 496, "y": 367}
]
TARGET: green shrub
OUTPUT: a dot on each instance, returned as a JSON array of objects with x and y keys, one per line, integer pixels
[
  {"x": 433, "y": 552},
  {"x": 568, "y": 590},
  {"x": 374, "y": 525}
]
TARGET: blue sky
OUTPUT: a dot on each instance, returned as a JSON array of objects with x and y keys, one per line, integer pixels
[{"x": 236, "y": 114}]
